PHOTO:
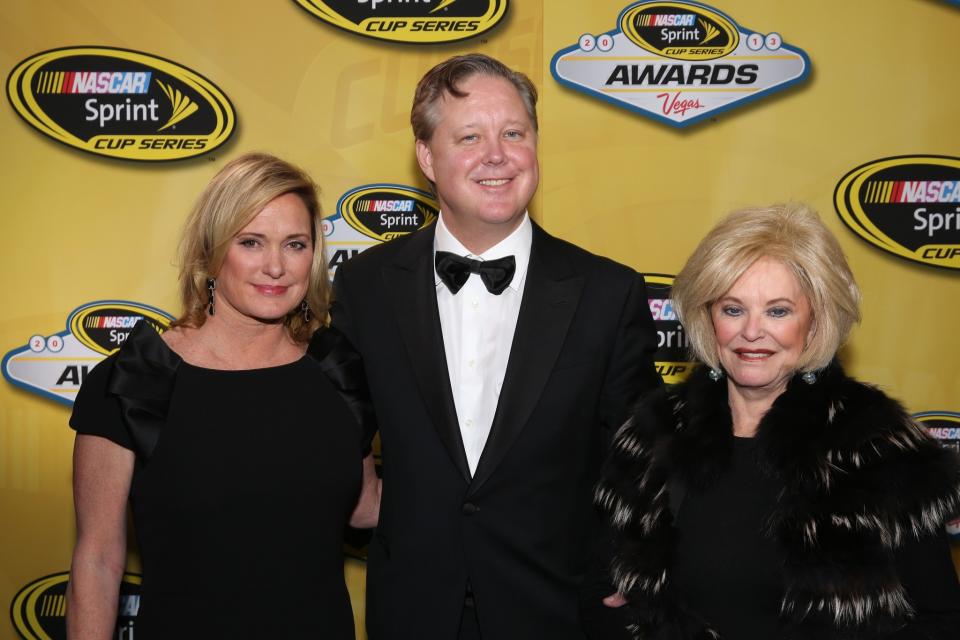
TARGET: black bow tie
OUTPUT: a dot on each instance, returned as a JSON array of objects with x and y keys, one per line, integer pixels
[{"x": 454, "y": 271}]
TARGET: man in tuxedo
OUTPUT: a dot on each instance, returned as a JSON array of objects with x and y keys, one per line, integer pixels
[{"x": 500, "y": 362}]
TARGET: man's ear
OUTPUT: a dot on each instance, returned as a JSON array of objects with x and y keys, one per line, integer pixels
[{"x": 425, "y": 160}]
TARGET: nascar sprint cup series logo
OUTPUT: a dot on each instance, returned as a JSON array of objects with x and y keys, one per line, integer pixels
[
  {"x": 678, "y": 62},
  {"x": 672, "y": 358},
  {"x": 54, "y": 366},
  {"x": 120, "y": 103},
  {"x": 372, "y": 214},
  {"x": 945, "y": 427},
  {"x": 38, "y": 610},
  {"x": 413, "y": 21},
  {"x": 908, "y": 206}
]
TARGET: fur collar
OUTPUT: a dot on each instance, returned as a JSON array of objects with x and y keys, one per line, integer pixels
[{"x": 855, "y": 476}]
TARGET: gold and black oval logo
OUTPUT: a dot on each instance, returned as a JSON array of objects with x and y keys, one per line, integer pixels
[
  {"x": 121, "y": 103},
  {"x": 38, "y": 610},
  {"x": 680, "y": 30},
  {"x": 386, "y": 211},
  {"x": 104, "y": 326},
  {"x": 942, "y": 425},
  {"x": 672, "y": 358},
  {"x": 412, "y": 21},
  {"x": 907, "y": 205}
]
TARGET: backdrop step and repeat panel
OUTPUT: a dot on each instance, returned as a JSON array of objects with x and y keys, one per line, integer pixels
[{"x": 656, "y": 119}]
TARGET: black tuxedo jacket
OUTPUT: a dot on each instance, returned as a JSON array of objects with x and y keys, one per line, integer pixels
[{"x": 519, "y": 531}]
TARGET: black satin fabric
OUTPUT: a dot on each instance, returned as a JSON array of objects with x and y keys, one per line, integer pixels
[
  {"x": 144, "y": 373},
  {"x": 344, "y": 368},
  {"x": 145, "y": 370}
]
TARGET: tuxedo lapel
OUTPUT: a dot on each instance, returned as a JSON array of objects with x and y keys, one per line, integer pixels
[
  {"x": 410, "y": 281},
  {"x": 550, "y": 297}
]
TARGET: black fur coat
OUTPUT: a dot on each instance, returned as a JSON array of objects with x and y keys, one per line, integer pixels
[{"x": 855, "y": 478}]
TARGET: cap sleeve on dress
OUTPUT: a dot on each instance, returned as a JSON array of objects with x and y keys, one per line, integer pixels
[
  {"x": 343, "y": 366},
  {"x": 134, "y": 389},
  {"x": 95, "y": 412}
]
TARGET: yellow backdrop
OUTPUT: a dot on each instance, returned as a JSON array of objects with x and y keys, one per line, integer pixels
[{"x": 79, "y": 228}]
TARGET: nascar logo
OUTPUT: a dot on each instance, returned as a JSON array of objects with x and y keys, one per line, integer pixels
[
  {"x": 367, "y": 206},
  {"x": 942, "y": 425},
  {"x": 410, "y": 21},
  {"x": 370, "y": 214},
  {"x": 672, "y": 358},
  {"x": 94, "y": 82},
  {"x": 683, "y": 36},
  {"x": 908, "y": 206},
  {"x": 168, "y": 112},
  {"x": 386, "y": 211},
  {"x": 667, "y": 20},
  {"x": 104, "y": 327},
  {"x": 892, "y": 191},
  {"x": 945, "y": 427},
  {"x": 111, "y": 322}
]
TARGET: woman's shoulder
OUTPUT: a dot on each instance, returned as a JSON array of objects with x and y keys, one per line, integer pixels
[
  {"x": 860, "y": 414},
  {"x": 329, "y": 345},
  {"x": 144, "y": 359},
  {"x": 124, "y": 397},
  {"x": 885, "y": 461},
  {"x": 136, "y": 361},
  {"x": 143, "y": 378},
  {"x": 662, "y": 411},
  {"x": 342, "y": 365}
]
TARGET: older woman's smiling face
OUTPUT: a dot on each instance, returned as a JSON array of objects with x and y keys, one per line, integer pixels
[{"x": 761, "y": 325}]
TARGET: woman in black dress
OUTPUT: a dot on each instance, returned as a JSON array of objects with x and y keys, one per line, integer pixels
[
  {"x": 243, "y": 454},
  {"x": 770, "y": 496}
]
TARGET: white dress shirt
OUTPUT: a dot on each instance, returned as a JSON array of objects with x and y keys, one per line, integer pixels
[{"x": 478, "y": 330}]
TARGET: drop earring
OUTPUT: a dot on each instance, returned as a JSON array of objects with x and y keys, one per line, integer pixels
[
  {"x": 211, "y": 286},
  {"x": 809, "y": 377},
  {"x": 715, "y": 374},
  {"x": 305, "y": 309}
]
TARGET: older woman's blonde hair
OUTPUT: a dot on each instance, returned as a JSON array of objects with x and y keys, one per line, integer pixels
[
  {"x": 793, "y": 235},
  {"x": 233, "y": 198}
]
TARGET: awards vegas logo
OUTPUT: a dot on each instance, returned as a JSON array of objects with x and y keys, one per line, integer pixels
[
  {"x": 945, "y": 427},
  {"x": 54, "y": 366},
  {"x": 120, "y": 103},
  {"x": 672, "y": 358},
  {"x": 906, "y": 205},
  {"x": 375, "y": 213},
  {"x": 410, "y": 21},
  {"x": 38, "y": 610},
  {"x": 679, "y": 63}
]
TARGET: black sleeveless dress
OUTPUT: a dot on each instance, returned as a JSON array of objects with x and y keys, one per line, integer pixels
[{"x": 242, "y": 488}]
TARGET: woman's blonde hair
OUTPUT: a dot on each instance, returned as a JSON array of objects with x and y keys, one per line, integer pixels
[
  {"x": 233, "y": 198},
  {"x": 791, "y": 234}
]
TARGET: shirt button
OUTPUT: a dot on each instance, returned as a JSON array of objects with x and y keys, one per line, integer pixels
[
  {"x": 475, "y": 304},
  {"x": 468, "y": 422},
  {"x": 468, "y": 508},
  {"x": 471, "y": 363}
]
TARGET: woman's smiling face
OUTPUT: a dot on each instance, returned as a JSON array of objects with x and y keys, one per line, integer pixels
[{"x": 761, "y": 325}]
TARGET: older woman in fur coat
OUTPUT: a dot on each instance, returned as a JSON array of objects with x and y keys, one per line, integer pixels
[{"x": 771, "y": 496}]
